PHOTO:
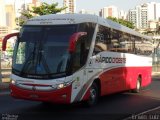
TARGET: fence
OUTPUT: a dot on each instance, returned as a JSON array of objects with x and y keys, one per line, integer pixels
[
  {"x": 156, "y": 65},
  {"x": 6, "y": 69}
]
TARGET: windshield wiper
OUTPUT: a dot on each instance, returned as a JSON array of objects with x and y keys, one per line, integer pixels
[
  {"x": 30, "y": 58},
  {"x": 43, "y": 60}
]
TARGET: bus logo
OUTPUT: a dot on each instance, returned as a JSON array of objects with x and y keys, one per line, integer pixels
[{"x": 101, "y": 59}]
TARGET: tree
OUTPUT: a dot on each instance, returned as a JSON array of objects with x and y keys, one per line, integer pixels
[
  {"x": 43, "y": 9},
  {"x": 123, "y": 22}
]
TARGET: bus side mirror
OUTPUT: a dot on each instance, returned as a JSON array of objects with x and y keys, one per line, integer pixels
[
  {"x": 4, "y": 43},
  {"x": 73, "y": 40}
]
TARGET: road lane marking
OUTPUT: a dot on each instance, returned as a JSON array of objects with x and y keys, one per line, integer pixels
[{"x": 142, "y": 113}]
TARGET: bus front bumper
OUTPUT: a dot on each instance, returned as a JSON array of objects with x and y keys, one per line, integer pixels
[{"x": 62, "y": 96}]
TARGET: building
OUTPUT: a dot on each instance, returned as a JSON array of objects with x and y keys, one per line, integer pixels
[
  {"x": 35, "y": 3},
  {"x": 83, "y": 11},
  {"x": 144, "y": 13},
  {"x": 3, "y": 27},
  {"x": 71, "y": 6},
  {"x": 153, "y": 26},
  {"x": 111, "y": 11},
  {"x": 10, "y": 17},
  {"x": 142, "y": 16},
  {"x": 132, "y": 16},
  {"x": 153, "y": 11},
  {"x": 2, "y": 13},
  {"x": 139, "y": 16},
  {"x": 122, "y": 15}
]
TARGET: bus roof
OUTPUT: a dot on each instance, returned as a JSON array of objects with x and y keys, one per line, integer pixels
[
  {"x": 56, "y": 19},
  {"x": 59, "y": 19}
]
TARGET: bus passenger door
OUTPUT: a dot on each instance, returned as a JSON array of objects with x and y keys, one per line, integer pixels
[{"x": 79, "y": 58}]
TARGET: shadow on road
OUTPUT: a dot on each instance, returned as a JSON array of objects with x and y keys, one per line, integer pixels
[{"x": 111, "y": 107}]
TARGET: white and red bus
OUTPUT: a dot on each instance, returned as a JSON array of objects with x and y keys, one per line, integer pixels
[{"x": 66, "y": 58}]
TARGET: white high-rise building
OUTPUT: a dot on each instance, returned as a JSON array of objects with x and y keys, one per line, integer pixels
[
  {"x": 2, "y": 13},
  {"x": 153, "y": 11},
  {"x": 10, "y": 17},
  {"x": 122, "y": 15},
  {"x": 144, "y": 13},
  {"x": 71, "y": 6},
  {"x": 132, "y": 16},
  {"x": 139, "y": 16},
  {"x": 111, "y": 11},
  {"x": 142, "y": 16},
  {"x": 3, "y": 27}
]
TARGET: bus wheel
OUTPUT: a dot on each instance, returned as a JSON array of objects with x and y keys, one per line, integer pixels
[
  {"x": 138, "y": 86},
  {"x": 94, "y": 94}
]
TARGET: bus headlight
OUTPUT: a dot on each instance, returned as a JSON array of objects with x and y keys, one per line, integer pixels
[
  {"x": 13, "y": 82},
  {"x": 65, "y": 84},
  {"x": 60, "y": 86}
]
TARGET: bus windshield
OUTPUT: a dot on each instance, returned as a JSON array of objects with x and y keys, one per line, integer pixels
[{"x": 41, "y": 51}]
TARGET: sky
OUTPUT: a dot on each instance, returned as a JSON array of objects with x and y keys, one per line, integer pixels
[{"x": 96, "y": 5}]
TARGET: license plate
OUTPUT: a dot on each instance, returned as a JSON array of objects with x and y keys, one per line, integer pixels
[{"x": 34, "y": 96}]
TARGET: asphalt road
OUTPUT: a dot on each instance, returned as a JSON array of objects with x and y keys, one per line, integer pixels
[{"x": 112, "y": 107}]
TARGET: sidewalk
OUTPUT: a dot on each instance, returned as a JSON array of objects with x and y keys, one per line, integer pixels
[{"x": 4, "y": 86}]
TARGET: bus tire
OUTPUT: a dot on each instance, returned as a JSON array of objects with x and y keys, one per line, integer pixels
[
  {"x": 138, "y": 86},
  {"x": 94, "y": 95}
]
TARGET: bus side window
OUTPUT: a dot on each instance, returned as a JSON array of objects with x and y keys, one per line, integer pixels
[
  {"x": 121, "y": 42},
  {"x": 102, "y": 40},
  {"x": 143, "y": 46},
  {"x": 100, "y": 44}
]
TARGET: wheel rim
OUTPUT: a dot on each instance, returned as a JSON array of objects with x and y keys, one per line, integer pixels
[
  {"x": 93, "y": 98},
  {"x": 93, "y": 94}
]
